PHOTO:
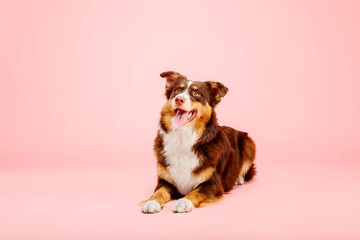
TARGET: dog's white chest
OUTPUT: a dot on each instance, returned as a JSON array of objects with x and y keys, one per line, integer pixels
[{"x": 181, "y": 158}]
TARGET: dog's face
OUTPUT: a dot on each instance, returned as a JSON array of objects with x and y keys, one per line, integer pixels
[{"x": 189, "y": 102}]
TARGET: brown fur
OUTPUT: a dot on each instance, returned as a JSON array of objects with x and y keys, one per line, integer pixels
[
  {"x": 224, "y": 153},
  {"x": 166, "y": 114}
]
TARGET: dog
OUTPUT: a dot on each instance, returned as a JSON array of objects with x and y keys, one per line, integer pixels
[{"x": 197, "y": 160}]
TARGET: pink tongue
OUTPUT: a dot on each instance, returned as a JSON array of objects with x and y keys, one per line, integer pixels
[{"x": 179, "y": 119}]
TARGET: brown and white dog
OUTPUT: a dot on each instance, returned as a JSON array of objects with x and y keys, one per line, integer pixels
[{"x": 197, "y": 160}]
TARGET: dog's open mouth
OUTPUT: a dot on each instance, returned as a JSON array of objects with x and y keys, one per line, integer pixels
[{"x": 182, "y": 117}]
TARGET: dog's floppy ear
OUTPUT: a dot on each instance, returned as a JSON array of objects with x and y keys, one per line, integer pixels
[
  {"x": 218, "y": 90},
  {"x": 171, "y": 78}
]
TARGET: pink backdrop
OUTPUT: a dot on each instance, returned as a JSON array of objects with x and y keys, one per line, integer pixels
[{"x": 80, "y": 96}]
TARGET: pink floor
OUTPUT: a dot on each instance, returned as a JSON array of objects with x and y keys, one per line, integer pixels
[{"x": 285, "y": 201}]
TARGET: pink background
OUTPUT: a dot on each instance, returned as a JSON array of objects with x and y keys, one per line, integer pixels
[{"x": 80, "y": 96}]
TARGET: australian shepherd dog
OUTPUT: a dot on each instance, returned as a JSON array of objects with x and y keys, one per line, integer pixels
[{"x": 197, "y": 160}]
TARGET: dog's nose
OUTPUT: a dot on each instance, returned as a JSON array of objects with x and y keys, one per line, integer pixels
[{"x": 179, "y": 100}]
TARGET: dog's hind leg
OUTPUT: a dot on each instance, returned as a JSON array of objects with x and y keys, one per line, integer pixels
[{"x": 248, "y": 169}]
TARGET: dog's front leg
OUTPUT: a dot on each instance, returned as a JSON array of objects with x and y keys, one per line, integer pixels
[
  {"x": 205, "y": 192},
  {"x": 156, "y": 202}
]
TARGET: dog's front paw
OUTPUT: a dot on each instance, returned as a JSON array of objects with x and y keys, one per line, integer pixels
[
  {"x": 151, "y": 206},
  {"x": 182, "y": 205}
]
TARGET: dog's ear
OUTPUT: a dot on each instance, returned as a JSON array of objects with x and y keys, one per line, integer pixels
[
  {"x": 218, "y": 90},
  {"x": 171, "y": 78}
]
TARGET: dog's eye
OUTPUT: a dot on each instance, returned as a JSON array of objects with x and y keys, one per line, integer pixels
[
  {"x": 197, "y": 94},
  {"x": 177, "y": 90}
]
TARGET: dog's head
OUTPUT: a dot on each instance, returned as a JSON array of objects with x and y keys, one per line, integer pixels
[{"x": 189, "y": 102}]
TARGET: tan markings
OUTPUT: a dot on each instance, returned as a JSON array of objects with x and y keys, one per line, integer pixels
[
  {"x": 175, "y": 76},
  {"x": 166, "y": 114},
  {"x": 210, "y": 201},
  {"x": 196, "y": 197},
  {"x": 245, "y": 168},
  {"x": 163, "y": 173},
  {"x": 195, "y": 87},
  {"x": 182, "y": 85},
  {"x": 204, "y": 174},
  {"x": 213, "y": 84},
  {"x": 161, "y": 195},
  {"x": 202, "y": 117}
]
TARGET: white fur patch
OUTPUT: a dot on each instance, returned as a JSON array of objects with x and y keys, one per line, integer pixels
[
  {"x": 181, "y": 159},
  {"x": 240, "y": 181},
  {"x": 151, "y": 206},
  {"x": 183, "y": 205},
  {"x": 185, "y": 94}
]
